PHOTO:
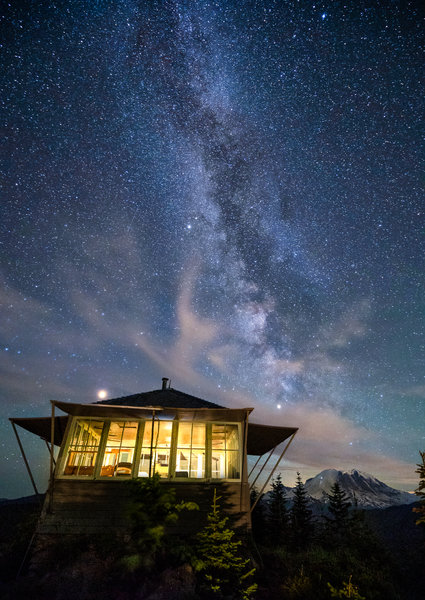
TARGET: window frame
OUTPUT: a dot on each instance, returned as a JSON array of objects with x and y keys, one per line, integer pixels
[
  {"x": 238, "y": 451},
  {"x": 62, "y": 459},
  {"x": 104, "y": 443}
]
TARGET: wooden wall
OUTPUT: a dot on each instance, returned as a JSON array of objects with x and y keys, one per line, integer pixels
[{"x": 95, "y": 506}]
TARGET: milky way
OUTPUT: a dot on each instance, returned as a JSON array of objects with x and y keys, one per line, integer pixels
[{"x": 230, "y": 194}]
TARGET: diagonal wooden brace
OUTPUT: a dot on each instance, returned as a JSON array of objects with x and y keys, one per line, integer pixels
[
  {"x": 273, "y": 470},
  {"x": 25, "y": 461}
]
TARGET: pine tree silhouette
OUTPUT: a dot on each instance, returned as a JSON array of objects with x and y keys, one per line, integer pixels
[
  {"x": 339, "y": 508},
  {"x": 258, "y": 517},
  {"x": 278, "y": 517},
  {"x": 420, "y": 491},
  {"x": 301, "y": 516}
]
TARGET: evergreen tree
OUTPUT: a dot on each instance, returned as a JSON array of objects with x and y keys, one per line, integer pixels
[
  {"x": 301, "y": 516},
  {"x": 223, "y": 571},
  {"x": 153, "y": 507},
  {"x": 420, "y": 491},
  {"x": 339, "y": 507},
  {"x": 278, "y": 518}
]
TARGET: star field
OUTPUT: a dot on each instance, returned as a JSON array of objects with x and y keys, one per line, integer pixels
[{"x": 230, "y": 194}]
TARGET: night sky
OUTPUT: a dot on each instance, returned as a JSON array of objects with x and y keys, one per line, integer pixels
[{"x": 229, "y": 194}]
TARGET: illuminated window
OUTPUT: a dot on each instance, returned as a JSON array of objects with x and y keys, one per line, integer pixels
[
  {"x": 160, "y": 441},
  {"x": 119, "y": 450},
  {"x": 83, "y": 448},
  {"x": 225, "y": 451},
  {"x": 190, "y": 457},
  {"x": 173, "y": 449}
]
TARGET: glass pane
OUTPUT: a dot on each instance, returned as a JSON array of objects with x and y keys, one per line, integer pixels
[
  {"x": 232, "y": 437},
  {"x": 190, "y": 458},
  {"x": 197, "y": 464},
  {"x": 225, "y": 437},
  {"x": 225, "y": 451},
  {"x": 161, "y": 443},
  {"x": 147, "y": 434},
  {"x": 144, "y": 464},
  {"x": 182, "y": 463},
  {"x": 218, "y": 467},
  {"x": 198, "y": 435},
  {"x": 119, "y": 450},
  {"x": 82, "y": 450},
  {"x": 232, "y": 464},
  {"x": 185, "y": 434},
  {"x": 162, "y": 461},
  {"x": 162, "y": 438},
  {"x": 218, "y": 436}
]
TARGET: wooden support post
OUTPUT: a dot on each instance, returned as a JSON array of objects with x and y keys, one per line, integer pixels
[
  {"x": 256, "y": 463},
  {"x": 52, "y": 440},
  {"x": 150, "y": 456},
  {"x": 52, "y": 459},
  {"x": 273, "y": 470},
  {"x": 262, "y": 468},
  {"x": 26, "y": 461},
  {"x": 244, "y": 456},
  {"x": 48, "y": 448}
]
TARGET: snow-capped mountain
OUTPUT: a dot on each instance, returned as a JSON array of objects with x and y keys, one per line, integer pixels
[{"x": 363, "y": 489}]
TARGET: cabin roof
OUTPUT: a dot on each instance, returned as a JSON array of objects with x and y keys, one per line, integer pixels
[
  {"x": 169, "y": 398},
  {"x": 125, "y": 411},
  {"x": 165, "y": 403}
]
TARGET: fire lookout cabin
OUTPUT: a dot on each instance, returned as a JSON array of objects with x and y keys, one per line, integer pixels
[{"x": 192, "y": 444}]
